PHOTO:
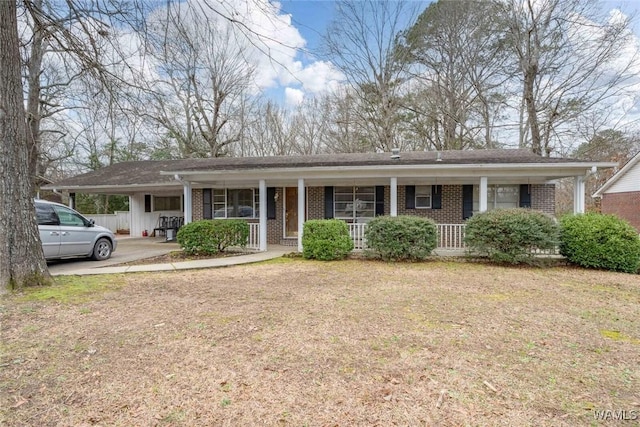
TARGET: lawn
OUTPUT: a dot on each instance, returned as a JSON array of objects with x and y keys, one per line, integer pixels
[{"x": 350, "y": 343}]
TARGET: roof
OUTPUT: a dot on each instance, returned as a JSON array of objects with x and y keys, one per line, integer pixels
[
  {"x": 161, "y": 174},
  {"x": 629, "y": 165}
]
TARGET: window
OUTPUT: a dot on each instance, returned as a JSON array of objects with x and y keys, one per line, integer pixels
[
  {"x": 498, "y": 197},
  {"x": 69, "y": 217},
  {"x": 353, "y": 203},
  {"x": 236, "y": 203},
  {"x": 45, "y": 214},
  {"x": 167, "y": 203},
  {"x": 423, "y": 196}
]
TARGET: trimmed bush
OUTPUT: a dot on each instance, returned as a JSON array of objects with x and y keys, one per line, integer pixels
[
  {"x": 600, "y": 241},
  {"x": 209, "y": 237},
  {"x": 401, "y": 238},
  {"x": 326, "y": 239},
  {"x": 511, "y": 235}
]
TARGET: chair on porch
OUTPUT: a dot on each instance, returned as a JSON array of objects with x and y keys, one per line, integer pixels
[{"x": 163, "y": 224}]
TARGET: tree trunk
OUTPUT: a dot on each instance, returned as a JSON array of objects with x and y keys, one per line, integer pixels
[{"x": 21, "y": 258}]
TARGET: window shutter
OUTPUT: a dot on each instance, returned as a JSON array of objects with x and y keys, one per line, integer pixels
[
  {"x": 467, "y": 201},
  {"x": 147, "y": 202},
  {"x": 436, "y": 197},
  {"x": 271, "y": 203},
  {"x": 410, "y": 196},
  {"x": 379, "y": 200},
  {"x": 328, "y": 202},
  {"x": 525, "y": 196},
  {"x": 207, "y": 208}
]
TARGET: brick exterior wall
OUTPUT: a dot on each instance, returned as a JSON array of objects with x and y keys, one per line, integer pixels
[
  {"x": 625, "y": 205},
  {"x": 542, "y": 198},
  {"x": 451, "y": 212}
]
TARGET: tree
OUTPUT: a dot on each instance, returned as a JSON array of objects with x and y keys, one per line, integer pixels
[
  {"x": 21, "y": 258},
  {"x": 362, "y": 40},
  {"x": 570, "y": 59},
  {"x": 459, "y": 65}
]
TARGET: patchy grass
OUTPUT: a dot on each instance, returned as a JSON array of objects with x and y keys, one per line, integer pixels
[{"x": 315, "y": 343}]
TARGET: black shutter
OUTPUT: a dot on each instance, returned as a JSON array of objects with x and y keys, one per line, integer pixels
[
  {"x": 271, "y": 203},
  {"x": 467, "y": 201},
  {"x": 525, "y": 196},
  {"x": 207, "y": 209},
  {"x": 436, "y": 197},
  {"x": 72, "y": 198},
  {"x": 379, "y": 200},
  {"x": 328, "y": 202},
  {"x": 410, "y": 196},
  {"x": 147, "y": 202}
]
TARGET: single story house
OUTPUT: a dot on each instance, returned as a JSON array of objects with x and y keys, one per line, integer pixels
[
  {"x": 277, "y": 194},
  {"x": 620, "y": 195}
]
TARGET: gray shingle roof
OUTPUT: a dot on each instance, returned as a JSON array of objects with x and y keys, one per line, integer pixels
[{"x": 147, "y": 172}]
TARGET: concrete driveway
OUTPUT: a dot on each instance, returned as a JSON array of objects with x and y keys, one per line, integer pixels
[{"x": 129, "y": 249}]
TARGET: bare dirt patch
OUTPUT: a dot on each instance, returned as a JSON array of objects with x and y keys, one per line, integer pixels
[{"x": 357, "y": 342}]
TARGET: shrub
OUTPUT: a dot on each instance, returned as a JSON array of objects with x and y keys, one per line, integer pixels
[
  {"x": 511, "y": 235},
  {"x": 326, "y": 239},
  {"x": 401, "y": 237},
  {"x": 208, "y": 237},
  {"x": 595, "y": 240}
]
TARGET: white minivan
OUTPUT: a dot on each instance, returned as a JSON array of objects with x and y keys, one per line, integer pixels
[{"x": 65, "y": 233}]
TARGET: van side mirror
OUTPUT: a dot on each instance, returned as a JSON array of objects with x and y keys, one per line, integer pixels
[{"x": 91, "y": 223}]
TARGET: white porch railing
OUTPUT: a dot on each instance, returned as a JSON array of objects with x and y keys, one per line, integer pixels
[
  {"x": 357, "y": 235},
  {"x": 254, "y": 236},
  {"x": 114, "y": 222},
  {"x": 450, "y": 236}
]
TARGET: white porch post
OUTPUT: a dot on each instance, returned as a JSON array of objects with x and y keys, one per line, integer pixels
[
  {"x": 578, "y": 195},
  {"x": 262, "y": 194},
  {"x": 301, "y": 210},
  {"x": 188, "y": 208},
  {"x": 483, "y": 194},
  {"x": 393, "y": 205}
]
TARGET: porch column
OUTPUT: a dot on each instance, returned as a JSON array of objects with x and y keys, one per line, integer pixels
[
  {"x": 301, "y": 210},
  {"x": 188, "y": 208},
  {"x": 262, "y": 233},
  {"x": 483, "y": 194},
  {"x": 393, "y": 205},
  {"x": 578, "y": 195}
]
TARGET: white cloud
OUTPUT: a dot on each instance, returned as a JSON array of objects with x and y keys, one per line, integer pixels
[{"x": 293, "y": 97}]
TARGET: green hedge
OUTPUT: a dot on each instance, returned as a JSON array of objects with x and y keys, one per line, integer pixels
[
  {"x": 600, "y": 241},
  {"x": 209, "y": 237},
  {"x": 326, "y": 239},
  {"x": 401, "y": 238},
  {"x": 511, "y": 235}
]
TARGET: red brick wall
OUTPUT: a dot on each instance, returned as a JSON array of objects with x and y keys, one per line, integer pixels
[
  {"x": 543, "y": 198},
  {"x": 625, "y": 205}
]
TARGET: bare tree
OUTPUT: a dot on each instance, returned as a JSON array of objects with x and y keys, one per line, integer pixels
[
  {"x": 456, "y": 50},
  {"x": 21, "y": 258},
  {"x": 570, "y": 59},
  {"x": 362, "y": 41},
  {"x": 203, "y": 80}
]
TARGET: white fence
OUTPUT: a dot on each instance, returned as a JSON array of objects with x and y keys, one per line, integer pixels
[
  {"x": 450, "y": 236},
  {"x": 114, "y": 222}
]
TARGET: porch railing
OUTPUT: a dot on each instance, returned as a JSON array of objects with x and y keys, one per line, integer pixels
[
  {"x": 357, "y": 235},
  {"x": 254, "y": 236},
  {"x": 450, "y": 236}
]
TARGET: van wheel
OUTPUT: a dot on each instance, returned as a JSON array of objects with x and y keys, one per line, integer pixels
[{"x": 102, "y": 250}]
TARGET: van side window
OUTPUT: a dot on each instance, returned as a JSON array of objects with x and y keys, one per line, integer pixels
[
  {"x": 45, "y": 215},
  {"x": 69, "y": 217}
]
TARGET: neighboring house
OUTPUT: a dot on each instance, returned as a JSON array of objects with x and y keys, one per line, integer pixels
[
  {"x": 621, "y": 193},
  {"x": 446, "y": 186}
]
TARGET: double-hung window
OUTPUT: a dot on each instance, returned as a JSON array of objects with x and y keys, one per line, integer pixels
[
  {"x": 236, "y": 203},
  {"x": 354, "y": 203},
  {"x": 167, "y": 203},
  {"x": 498, "y": 197},
  {"x": 423, "y": 197}
]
